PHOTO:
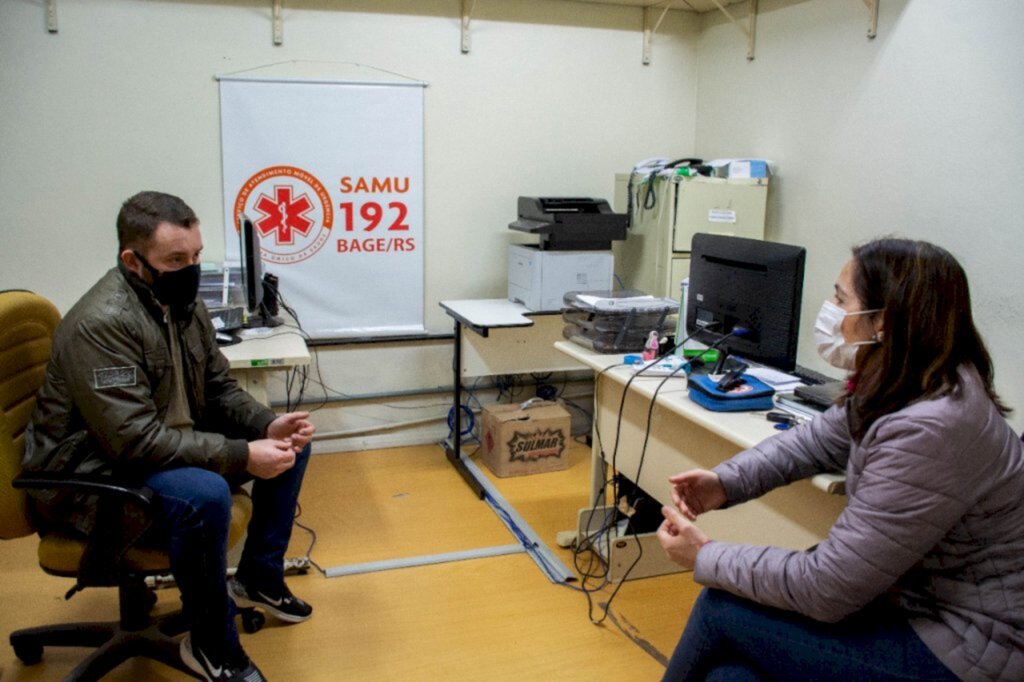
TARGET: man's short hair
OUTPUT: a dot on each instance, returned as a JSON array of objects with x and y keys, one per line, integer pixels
[{"x": 141, "y": 213}]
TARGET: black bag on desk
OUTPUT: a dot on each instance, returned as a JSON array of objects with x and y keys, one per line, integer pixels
[{"x": 750, "y": 396}]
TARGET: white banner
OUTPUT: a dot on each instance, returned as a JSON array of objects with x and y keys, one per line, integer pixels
[{"x": 331, "y": 174}]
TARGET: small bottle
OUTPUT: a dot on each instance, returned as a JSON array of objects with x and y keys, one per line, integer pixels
[{"x": 651, "y": 347}]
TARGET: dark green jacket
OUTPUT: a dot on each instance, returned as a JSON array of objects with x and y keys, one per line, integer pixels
[{"x": 108, "y": 387}]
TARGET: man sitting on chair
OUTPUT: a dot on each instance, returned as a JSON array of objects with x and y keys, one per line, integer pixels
[{"x": 137, "y": 389}]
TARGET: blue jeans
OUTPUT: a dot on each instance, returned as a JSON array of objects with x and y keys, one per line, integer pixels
[
  {"x": 193, "y": 509},
  {"x": 731, "y": 638}
]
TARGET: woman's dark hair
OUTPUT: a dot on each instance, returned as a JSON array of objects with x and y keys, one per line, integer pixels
[
  {"x": 928, "y": 330},
  {"x": 140, "y": 215}
]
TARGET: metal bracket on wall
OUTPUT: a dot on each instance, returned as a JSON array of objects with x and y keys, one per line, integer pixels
[
  {"x": 750, "y": 30},
  {"x": 650, "y": 30},
  {"x": 278, "y": 29},
  {"x": 51, "y": 16},
  {"x": 467, "y": 11},
  {"x": 872, "y": 6}
]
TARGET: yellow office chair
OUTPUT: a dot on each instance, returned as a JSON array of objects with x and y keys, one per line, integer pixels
[{"x": 27, "y": 322}]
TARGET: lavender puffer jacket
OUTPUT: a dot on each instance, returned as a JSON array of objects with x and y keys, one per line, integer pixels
[{"x": 934, "y": 519}]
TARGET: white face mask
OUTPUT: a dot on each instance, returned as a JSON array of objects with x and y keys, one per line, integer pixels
[{"x": 828, "y": 336}]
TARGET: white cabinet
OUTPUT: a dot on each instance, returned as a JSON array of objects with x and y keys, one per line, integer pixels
[{"x": 655, "y": 256}]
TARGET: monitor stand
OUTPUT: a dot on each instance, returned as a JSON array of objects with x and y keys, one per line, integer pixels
[{"x": 262, "y": 318}]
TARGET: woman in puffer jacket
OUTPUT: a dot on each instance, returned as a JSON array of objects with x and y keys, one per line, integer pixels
[{"x": 922, "y": 575}]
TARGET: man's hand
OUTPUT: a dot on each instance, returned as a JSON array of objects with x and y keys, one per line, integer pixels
[
  {"x": 680, "y": 539},
  {"x": 697, "y": 491},
  {"x": 270, "y": 457},
  {"x": 293, "y": 427}
]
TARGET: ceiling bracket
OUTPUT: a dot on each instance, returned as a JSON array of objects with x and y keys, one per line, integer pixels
[
  {"x": 51, "y": 16},
  {"x": 650, "y": 30},
  {"x": 278, "y": 30},
  {"x": 872, "y": 6},
  {"x": 467, "y": 11},
  {"x": 750, "y": 30}
]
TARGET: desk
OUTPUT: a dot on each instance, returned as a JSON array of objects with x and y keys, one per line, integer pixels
[
  {"x": 498, "y": 336},
  {"x": 684, "y": 436},
  {"x": 281, "y": 349}
]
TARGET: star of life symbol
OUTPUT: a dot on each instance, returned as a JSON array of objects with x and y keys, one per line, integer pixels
[
  {"x": 283, "y": 215},
  {"x": 291, "y": 210}
]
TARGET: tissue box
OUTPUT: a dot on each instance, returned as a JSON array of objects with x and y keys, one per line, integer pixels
[{"x": 518, "y": 441}]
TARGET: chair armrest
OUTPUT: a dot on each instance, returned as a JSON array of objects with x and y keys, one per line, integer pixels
[{"x": 84, "y": 483}]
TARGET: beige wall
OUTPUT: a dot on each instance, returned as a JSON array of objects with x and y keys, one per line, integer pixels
[
  {"x": 916, "y": 133},
  {"x": 553, "y": 100}
]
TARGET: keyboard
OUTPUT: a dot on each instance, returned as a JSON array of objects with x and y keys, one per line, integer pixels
[{"x": 810, "y": 377}]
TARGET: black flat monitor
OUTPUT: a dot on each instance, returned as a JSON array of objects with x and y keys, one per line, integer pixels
[
  {"x": 750, "y": 287},
  {"x": 261, "y": 310}
]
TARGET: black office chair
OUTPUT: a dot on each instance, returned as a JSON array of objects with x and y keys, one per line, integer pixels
[{"x": 27, "y": 322}]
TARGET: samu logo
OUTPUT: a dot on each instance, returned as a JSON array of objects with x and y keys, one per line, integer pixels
[
  {"x": 291, "y": 210},
  {"x": 540, "y": 444}
]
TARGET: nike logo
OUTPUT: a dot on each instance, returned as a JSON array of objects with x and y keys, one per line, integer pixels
[
  {"x": 272, "y": 602},
  {"x": 216, "y": 672}
]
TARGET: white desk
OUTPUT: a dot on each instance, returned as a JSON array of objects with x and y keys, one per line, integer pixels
[
  {"x": 684, "y": 436},
  {"x": 250, "y": 361},
  {"x": 497, "y": 336}
]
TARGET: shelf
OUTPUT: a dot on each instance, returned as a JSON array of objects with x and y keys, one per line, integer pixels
[{"x": 654, "y": 12}]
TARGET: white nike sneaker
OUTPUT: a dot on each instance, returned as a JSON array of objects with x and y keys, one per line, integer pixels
[
  {"x": 235, "y": 668},
  {"x": 280, "y": 603}
]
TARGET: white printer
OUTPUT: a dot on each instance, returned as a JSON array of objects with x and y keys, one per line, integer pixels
[
  {"x": 573, "y": 253},
  {"x": 540, "y": 279}
]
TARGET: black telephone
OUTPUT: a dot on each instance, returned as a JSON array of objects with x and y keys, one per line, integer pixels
[{"x": 656, "y": 166}]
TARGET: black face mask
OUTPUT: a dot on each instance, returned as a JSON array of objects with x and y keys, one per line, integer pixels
[{"x": 177, "y": 288}]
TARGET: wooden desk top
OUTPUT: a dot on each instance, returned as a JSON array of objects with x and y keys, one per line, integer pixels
[{"x": 745, "y": 429}]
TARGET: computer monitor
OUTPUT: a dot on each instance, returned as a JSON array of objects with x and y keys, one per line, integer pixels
[
  {"x": 749, "y": 286},
  {"x": 260, "y": 310}
]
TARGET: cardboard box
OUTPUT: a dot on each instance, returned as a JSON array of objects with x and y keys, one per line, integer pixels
[{"x": 518, "y": 441}]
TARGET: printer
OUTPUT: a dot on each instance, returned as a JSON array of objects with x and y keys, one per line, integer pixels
[
  {"x": 570, "y": 224},
  {"x": 573, "y": 252}
]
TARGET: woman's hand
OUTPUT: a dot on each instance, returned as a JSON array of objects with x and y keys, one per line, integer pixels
[
  {"x": 697, "y": 491},
  {"x": 680, "y": 539}
]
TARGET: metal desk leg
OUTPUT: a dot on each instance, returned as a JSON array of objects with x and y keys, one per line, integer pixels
[{"x": 454, "y": 450}]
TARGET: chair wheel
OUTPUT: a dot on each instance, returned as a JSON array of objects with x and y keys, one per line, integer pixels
[
  {"x": 252, "y": 620},
  {"x": 28, "y": 653}
]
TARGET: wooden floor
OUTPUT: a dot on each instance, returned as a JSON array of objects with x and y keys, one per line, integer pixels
[{"x": 495, "y": 618}]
